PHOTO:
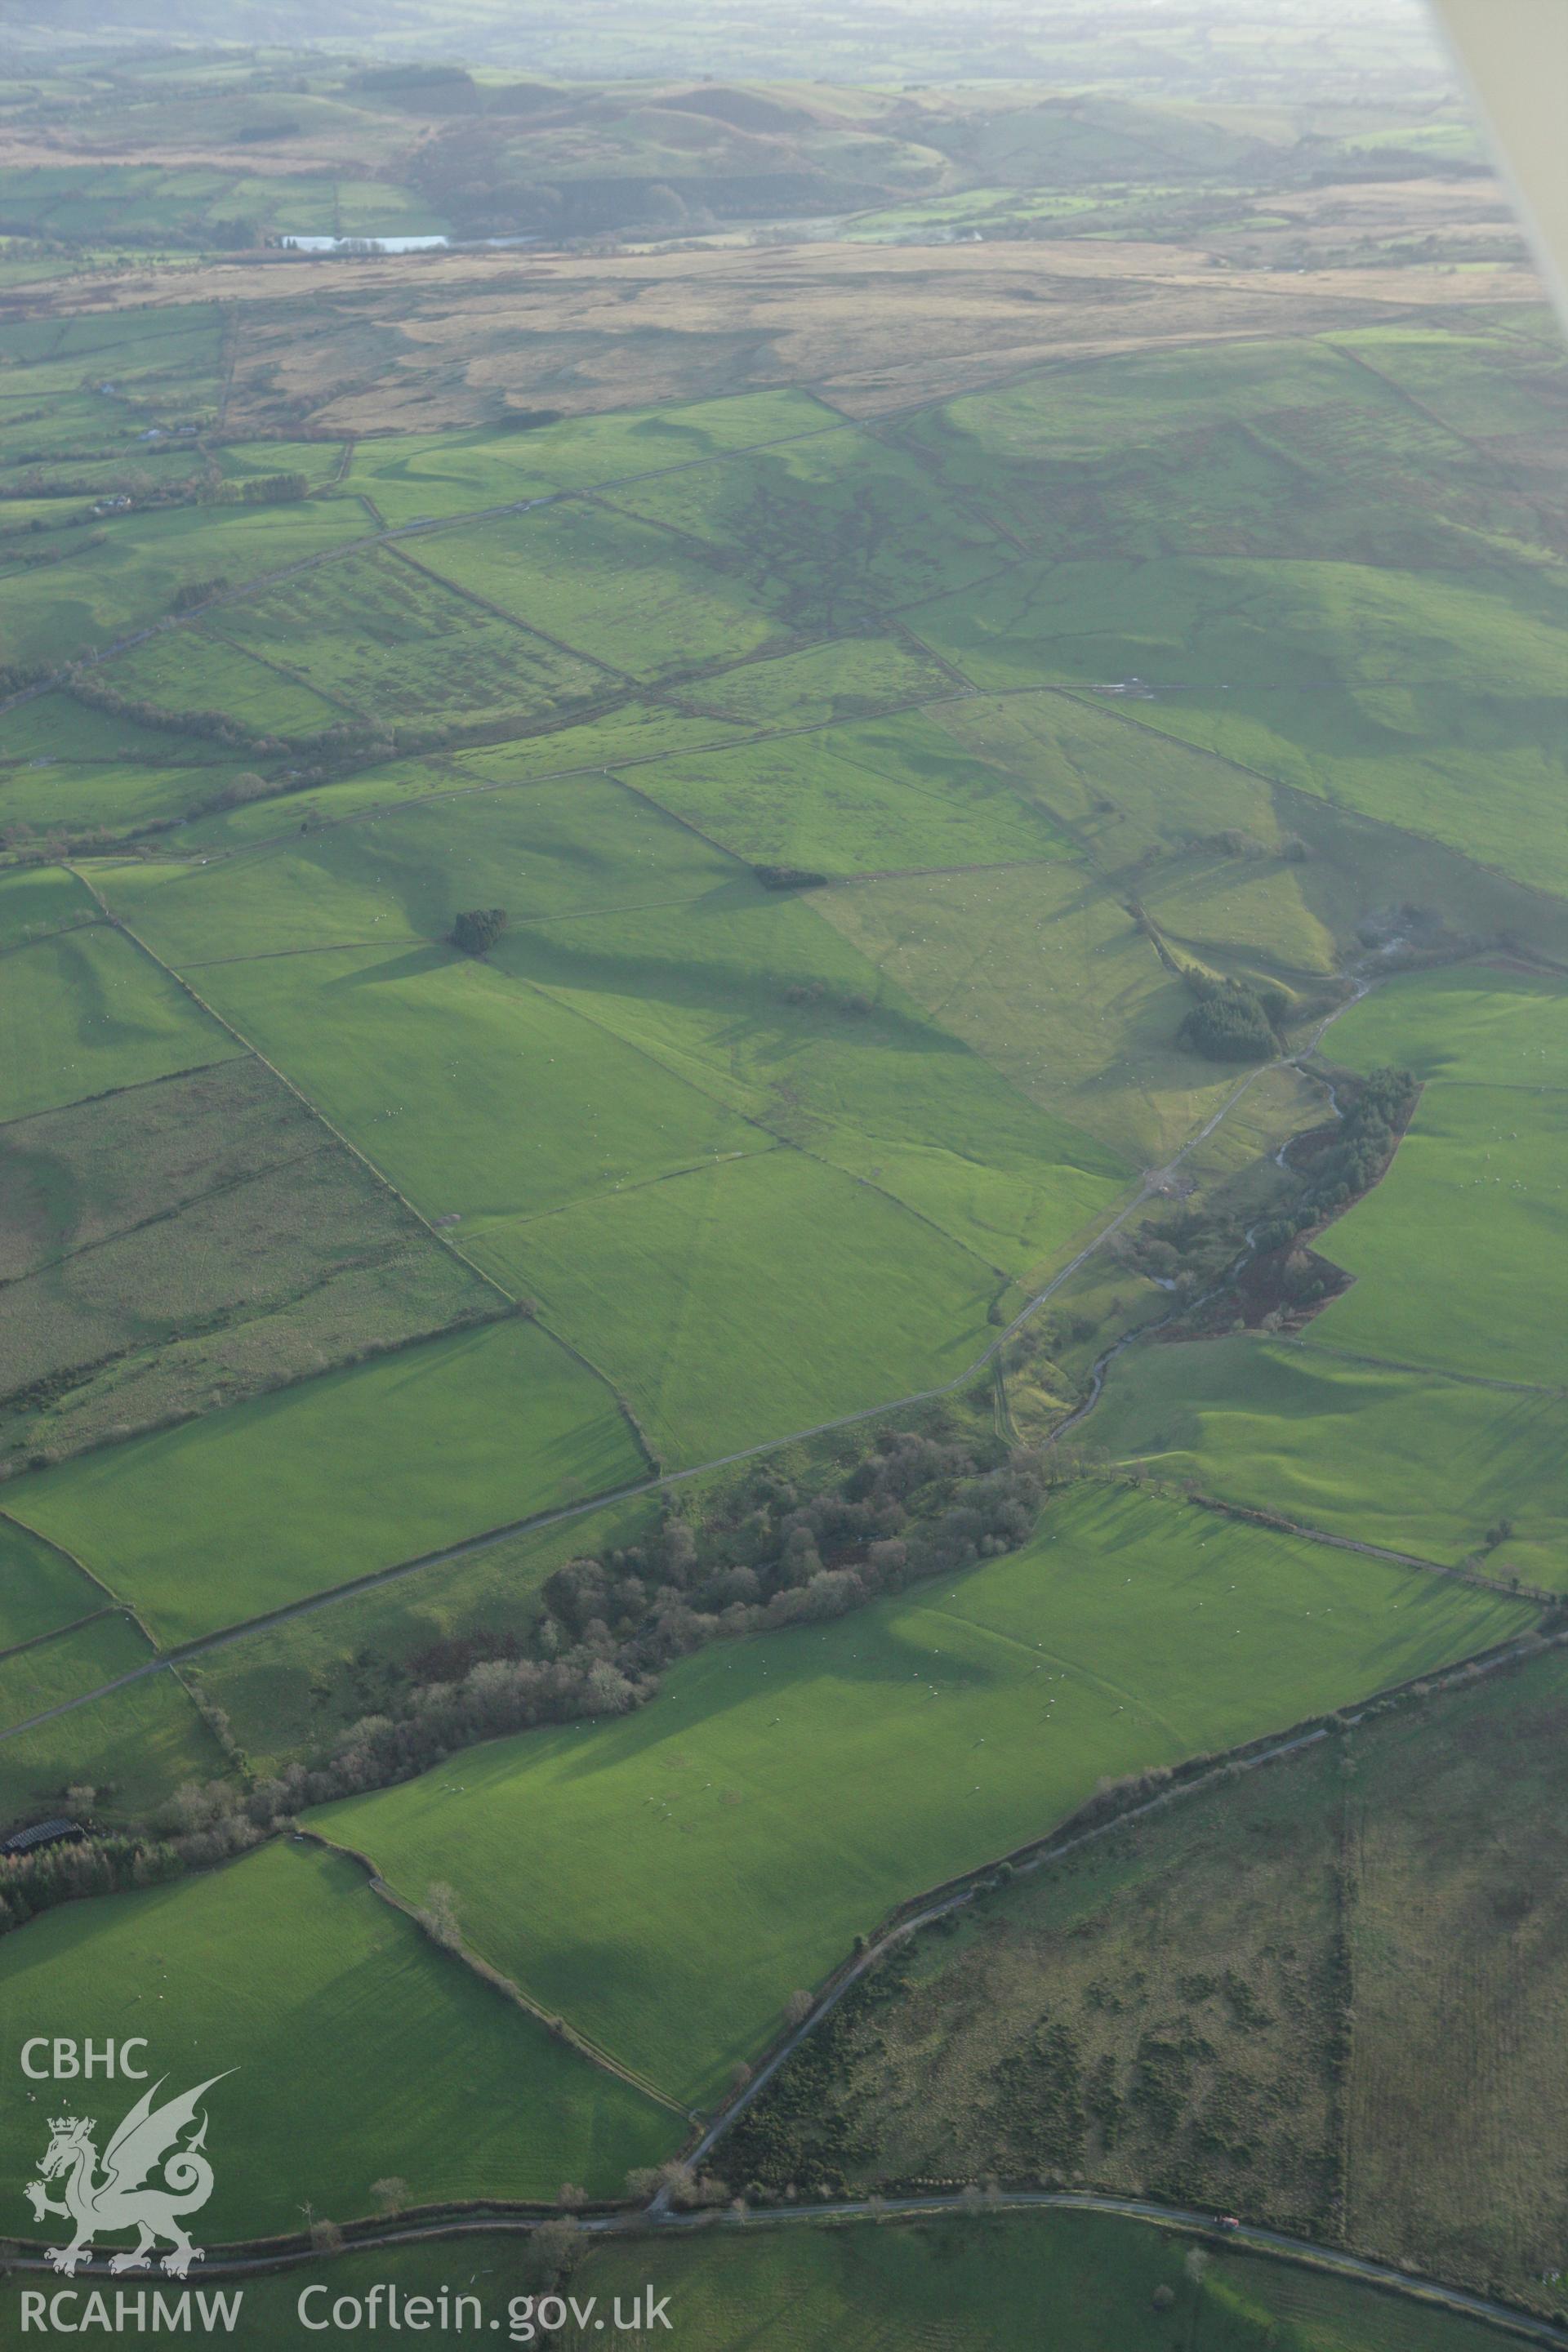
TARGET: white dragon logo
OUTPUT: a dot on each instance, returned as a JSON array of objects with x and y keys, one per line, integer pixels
[{"x": 122, "y": 2198}]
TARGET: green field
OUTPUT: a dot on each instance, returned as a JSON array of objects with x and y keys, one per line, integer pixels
[
  {"x": 898, "y": 793},
  {"x": 98, "y": 593},
  {"x": 285, "y": 1961},
  {"x": 1412, "y": 1460},
  {"x": 201, "y": 669},
  {"x": 833, "y": 533},
  {"x": 750, "y": 1300},
  {"x": 751, "y": 995},
  {"x": 380, "y": 634},
  {"x": 239, "y": 1512},
  {"x": 80, "y": 1659},
  {"x": 290, "y": 1688},
  {"x": 1458, "y": 1255},
  {"x": 479, "y": 1097},
  {"x": 581, "y": 844},
  {"x": 40, "y": 1589},
  {"x": 1041, "y": 972},
  {"x": 417, "y": 477},
  {"x": 134, "y": 1748},
  {"x": 191, "y": 1242},
  {"x": 39, "y": 899},
  {"x": 91, "y": 1014},
  {"x": 651, "y": 1014},
  {"x": 1005, "y": 2282},
  {"x": 693, "y": 1863},
  {"x": 644, "y": 603}
]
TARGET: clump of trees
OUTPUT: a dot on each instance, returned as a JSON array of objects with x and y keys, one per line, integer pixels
[
  {"x": 185, "y": 599},
  {"x": 32, "y": 1882},
  {"x": 1232, "y": 1020},
  {"x": 267, "y": 489},
  {"x": 1369, "y": 1128},
  {"x": 476, "y": 930},
  {"x": 768, "y": 1553},
  {"x": 788, "y": 878}
]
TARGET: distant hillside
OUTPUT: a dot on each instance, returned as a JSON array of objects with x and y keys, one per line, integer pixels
[{"x": 1299, "y": 49}]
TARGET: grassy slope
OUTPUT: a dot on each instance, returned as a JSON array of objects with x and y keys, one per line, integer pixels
[
  {"x": 894, "y": 792},
  {"x": 1042, "y": 972},
  {"x": 285, "y": 1966},
  {"x": 476, "y": 1096},
  {"x": 39, "y": 1588},
  {"x": 694, "y": 1863},
  {"x": 90, "y": 1013},
  {"x": 293, "y": 1688},
  {"x": 1458, "y": 1252},
  {"x": 322, "y": 1482},
  {"x": 134, "y": 1748},
  {"x": 98, "y": 593},
  {"x": 750, "y": 1300},
  {"x": 41, "y": 898},
  {"x": 1408, "y": 1459},
  {"x": 752, "y": 996},
  {"x": 80, "y": 1658}
]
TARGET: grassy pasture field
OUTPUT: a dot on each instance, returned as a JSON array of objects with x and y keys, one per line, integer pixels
[
  {"x": 133, "y": 1748},
  {"x": 287, "y": 1957},
  {"x": 641, "y": 601},
  {"x": 99, "y": 593},
  {"x": 239, "y": 1512},
  {"x": 290, "y": 1688},
  {"x": 413, "y": 476},
  {"x": 845, "y": 679},
  {"x": 91, "y": 1014},
  {"x": 750, "y": 1298},
  {"x": 78, "y": 1658},
  {"x": 1412, "y": 1460},
  {"x": 751, "y": 995},
  {"x": 671, "y": 1851},
  {"x": 581, "y": 844},
  {"x": 134, "y": 1297},
  {"x": 1416, "y": 756},
  {"x": 1041, "y": 973},
  {"x": 478, "y": 1097},
  {"x": 1457, "y": 1252},
  {"x": 1183, "y": 623},
  {"x": 832, "y": 531},
  {"x": 379, "y": 633},
  {"x": 665, "y": 1011},
  {"x": 1487, "y": 1025},
  {"x": 1213, "y": 2007},
  {"x": 39, "y": 899},
  {"x": 894, "y": 792},
  {"x": 40, "y": 1588},
  {"x": 199, "y": 668},
  {"x": 74, "y": 1178},
  {"x": 1458, "y": 1255},
  {"x": 1208, "y": 452},
  {"x": 1040, "y": 2282},
  {"x": 71, "y": 797}
]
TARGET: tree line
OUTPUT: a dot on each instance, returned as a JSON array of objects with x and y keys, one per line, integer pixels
[{"x": 769, "y": 1552}]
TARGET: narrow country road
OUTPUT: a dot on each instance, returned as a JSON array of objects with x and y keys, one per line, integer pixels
[{"x": 1252, "y": 2238}]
